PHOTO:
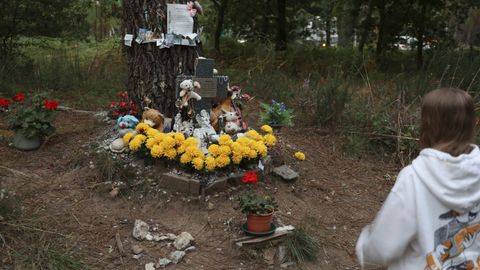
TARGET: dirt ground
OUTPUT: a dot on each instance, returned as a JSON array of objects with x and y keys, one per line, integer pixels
[{"x": 333, "y": 199}]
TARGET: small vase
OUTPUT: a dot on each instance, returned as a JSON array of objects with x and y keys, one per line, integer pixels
[
  {"x": 259, "y": 223},
  {"x": 22, "y": 142}
]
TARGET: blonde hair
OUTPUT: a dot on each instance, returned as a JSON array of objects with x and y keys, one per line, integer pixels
[{"x": 448, "y": 121}]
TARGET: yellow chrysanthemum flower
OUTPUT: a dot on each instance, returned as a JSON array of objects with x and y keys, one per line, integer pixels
[
  {"x": 168, "y": 142},
  {"x": 198, "y": 163},
  {"x": 222, "y": 161},
  {"x": 142, "y": 128},
  {"x": 214, "y": 150},
  {"x": 300, "y": 156},
  {"x": 135, "y": 144},
  {"x": 185, "y": 158},
  {"x": 252, "y": 154},
  {"x": 237, "y": 159},
  {"x": 210, "y": 163},
  {"x": 191, "y": 141},
  {"x": 170, "y": 153},
  {"x": 253, "y": 134},
  {"x": 179, "y": 138},
  {"x": 127, "y": 137},
  {"x": 267, "y": 129},
  {"x": 157, "y": 151},
  {"x": 225, "y": 139},
  {"x": 142, "y": 138},
  {"x": 244, "y": 141},
  {"x": 270, "y": 140},
  {"x": 224, "y": 150},
  {"x": 151, "y": 132},
  {"x": 150, "y": 143}
]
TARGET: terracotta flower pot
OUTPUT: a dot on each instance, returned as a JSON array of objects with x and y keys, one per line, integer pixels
[{"x": 259, "y": 223}]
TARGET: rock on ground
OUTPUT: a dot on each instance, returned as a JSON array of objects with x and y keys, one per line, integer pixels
[
  {"x": 150, "y": 266},
  {"x": 136, "y": 249},
  {"x": 286, "y": 173},
  {"x": 177, "y": 256},
  {"x": 164, "y": 262},
  {"x": 140, "y": 229},
  {"x": 183, "y": 241}
]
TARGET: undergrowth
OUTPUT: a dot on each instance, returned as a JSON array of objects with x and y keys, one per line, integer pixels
[
  {"x": 27, "y": 244},
  {"x": 301, "y": 247}
]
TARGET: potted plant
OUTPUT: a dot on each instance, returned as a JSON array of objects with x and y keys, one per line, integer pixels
[
  {"x": 259, "y": 209},
  {"x": 32, "y": 121},
  {"x": 276, "y": 115}
]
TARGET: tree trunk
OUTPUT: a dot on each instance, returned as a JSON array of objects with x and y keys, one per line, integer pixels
[
  {"x": 347, "y": 23},
  {"x": 222, "y": 8},
  {"x": 281, "y": 43},
  {"x": 328, "y": 30},
  {"x": 420, "y": 34},
  {"x": 381, "y": 31},
  {"x": 152, "y": 71},
  {"x": 366, "y": 27}
]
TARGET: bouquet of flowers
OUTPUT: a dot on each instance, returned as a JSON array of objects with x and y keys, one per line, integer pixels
[
  {"x": 276, "y": 114},
  {"x": 122, "y": 107}
]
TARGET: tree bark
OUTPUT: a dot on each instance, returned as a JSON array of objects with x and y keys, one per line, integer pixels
[
  {"x": 328, "y": 30},
  {"x": 366, "y": 27},
  {"x": 281, "y": 41},
  {"x": 420, "y": 34},
  {"x": 381, "y": 30},
  {"x": 221, "y": 10},
  {"x": 152, "y": 71}
]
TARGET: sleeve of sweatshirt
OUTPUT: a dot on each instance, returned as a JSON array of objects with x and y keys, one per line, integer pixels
[{"x": 387, "y": 238}]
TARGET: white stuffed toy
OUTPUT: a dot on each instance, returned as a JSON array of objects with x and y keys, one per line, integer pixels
[{"x": 230, "y": 122}]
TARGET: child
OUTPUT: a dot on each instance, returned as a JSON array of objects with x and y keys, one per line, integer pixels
[{"x": 431, "y": 218}]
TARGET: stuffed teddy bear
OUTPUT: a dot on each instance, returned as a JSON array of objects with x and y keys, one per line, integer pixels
[
  {"x": 153, "y": 118},
  {"x": 126, "y": 124},
  {"x": 186, "y": 95}
]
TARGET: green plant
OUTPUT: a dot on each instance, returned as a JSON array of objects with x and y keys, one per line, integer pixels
[
  {"x": 276, "y": 114},
  {"x": 252, "y": 203},
  {"x": 34, "y": 118},
  {"x": 300, "y": 246}
]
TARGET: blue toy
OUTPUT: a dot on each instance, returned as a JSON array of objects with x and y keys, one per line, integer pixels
[{"x": 127, "y": 123}]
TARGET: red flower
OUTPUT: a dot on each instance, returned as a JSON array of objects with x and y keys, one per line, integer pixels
[
  {"x": 123, "y": 95},
  {"x": 250, "y": 177},
  {"x": 123, "y": 104},
  {"x": 115, "y": 114},
  {"x": 18, "y": 97},
  {"x": 4, "y": 102},
  {"x": 50, "y": 105}
]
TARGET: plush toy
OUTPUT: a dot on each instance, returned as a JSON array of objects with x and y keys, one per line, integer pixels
[
  {"x": 126, "y": 124},
  {"x": 231, "y": 124},
  {"x": 228, "y": 105},
  {"x": 153, "y": 118},
  {"x": 186, "y": 95}
]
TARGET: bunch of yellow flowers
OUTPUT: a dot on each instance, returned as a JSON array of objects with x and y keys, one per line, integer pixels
[{"x": 221, "y": 155}]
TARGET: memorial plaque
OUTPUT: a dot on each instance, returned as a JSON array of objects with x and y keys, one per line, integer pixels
[{"x": 208, "y": 87}]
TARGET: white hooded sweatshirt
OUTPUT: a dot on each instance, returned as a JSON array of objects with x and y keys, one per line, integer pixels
[{"x": 430, "y": 219}]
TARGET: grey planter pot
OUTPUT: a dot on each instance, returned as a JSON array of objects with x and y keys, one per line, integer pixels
[{"x": 21, "y": 142}]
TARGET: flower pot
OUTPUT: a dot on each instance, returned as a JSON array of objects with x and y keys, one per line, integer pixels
[
  {"x": 22, "y": 142},
  {"x": 259, "y": 223},
  {"x": 276, "y": 128}
]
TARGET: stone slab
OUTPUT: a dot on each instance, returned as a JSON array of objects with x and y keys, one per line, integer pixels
[
  {"x": 180, "y": 183},
  {"x": 286, "y": 173}
]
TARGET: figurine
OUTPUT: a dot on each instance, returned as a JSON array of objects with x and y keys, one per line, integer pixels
[{"x": 205, "y": 131}]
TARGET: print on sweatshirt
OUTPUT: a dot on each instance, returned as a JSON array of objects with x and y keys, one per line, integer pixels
[{"x": 457, "y": 244}]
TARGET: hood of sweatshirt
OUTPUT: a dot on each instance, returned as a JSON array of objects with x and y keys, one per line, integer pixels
[{"x": 455, "y": 181}]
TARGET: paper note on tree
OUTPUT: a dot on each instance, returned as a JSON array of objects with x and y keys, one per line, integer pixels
[{"x": 179, "y": 20}]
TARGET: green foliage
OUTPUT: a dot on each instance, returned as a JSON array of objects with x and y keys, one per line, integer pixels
[
  {"x": 34, "y": 118},
  {"x": 276, "y": 114},
  {"x": 252, "y": 203},
  {"x": 301, "y": 247}
]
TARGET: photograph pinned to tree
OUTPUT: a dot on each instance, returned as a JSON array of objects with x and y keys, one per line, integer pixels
[{"x": 32, "y": 121}]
